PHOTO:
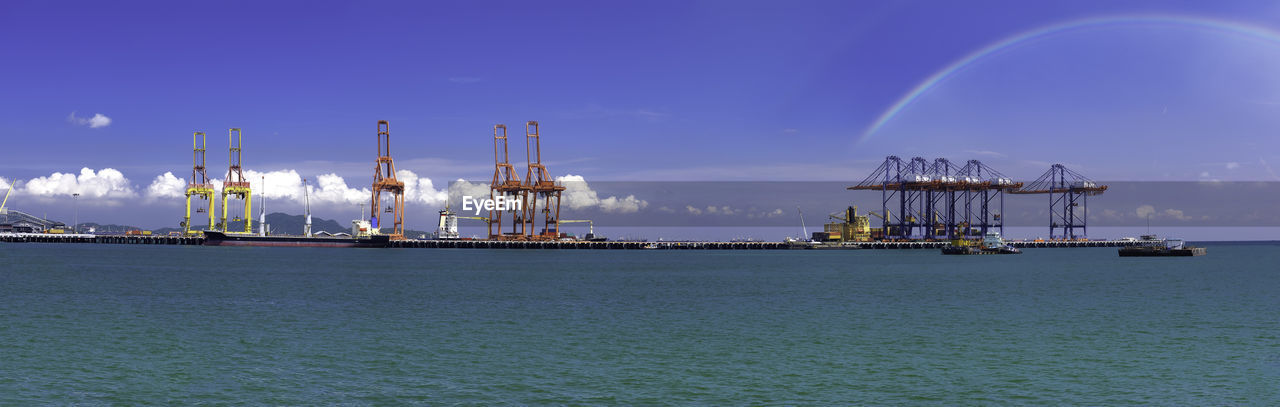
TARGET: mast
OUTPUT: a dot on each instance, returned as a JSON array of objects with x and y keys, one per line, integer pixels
[
  {"x": 306, "y": 207},
  {"x": 802, "y": 226},
  {"x": 262, "y": 212}
]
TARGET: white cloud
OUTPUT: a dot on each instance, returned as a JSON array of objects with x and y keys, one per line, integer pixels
[
  {"x": 1148, "y": 210},
  {"x": 461, "y": 188},
  {"x": 420, "y": 190},
  {"x": 1176, "y": 214},
  {"x": 985, "y": 153},
  {"x": 98, "y": 120},
  {"x": 331, "y": 188},
  {"x": 726, "y": 210},
  {"x": 1233, "y": 165},
  {"x": 279, "y": 184},
  {"x": 105, "y": 183},
  {"x": 167, "y": 186},
  {"x": 4, "y": 184},
  {"x": 1145, "y": 210},
  {"x": 578, "y": 195}
]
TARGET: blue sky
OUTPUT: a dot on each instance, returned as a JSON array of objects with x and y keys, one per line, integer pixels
[{"x": 633, "y": 91}]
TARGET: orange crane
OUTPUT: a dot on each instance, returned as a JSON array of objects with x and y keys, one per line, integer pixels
[
  {"x": 540, "y": 184},
  {"x": 506, "y": 192},
  {"x": 384, "y": 179}
]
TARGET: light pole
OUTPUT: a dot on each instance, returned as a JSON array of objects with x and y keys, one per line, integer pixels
[{"x": 75, "y": 219}]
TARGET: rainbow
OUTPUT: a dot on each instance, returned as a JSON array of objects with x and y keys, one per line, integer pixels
[{"x": 1222, "y": 26}]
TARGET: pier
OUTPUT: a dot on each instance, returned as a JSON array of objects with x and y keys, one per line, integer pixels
[{"x": 569, "y": 245}]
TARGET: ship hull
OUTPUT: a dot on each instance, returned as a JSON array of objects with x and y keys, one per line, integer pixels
[
  {"x": 1161, "y": 252},
  {"x": 223, "y": 239},
  {"x": 968, "y": 250}
]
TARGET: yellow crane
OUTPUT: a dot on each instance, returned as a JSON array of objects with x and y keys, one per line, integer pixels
[
  {"x": 236, "y": 185},
  {"x": 199, "y": 185}
]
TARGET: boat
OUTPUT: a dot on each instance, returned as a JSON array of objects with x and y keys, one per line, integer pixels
[
  {"x": 213, "y": 238},
  {"x": 362, "y": 235},
  {"x": 1169, "y": 248},
  {"x": 991, "y": 243}
]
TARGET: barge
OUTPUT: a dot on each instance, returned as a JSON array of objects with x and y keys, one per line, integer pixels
[{"x": 1170, "y": 248}]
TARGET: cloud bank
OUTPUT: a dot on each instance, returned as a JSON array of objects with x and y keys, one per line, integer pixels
[
  {"x": 578, "y": 195},
  {"x": 324, "y": 189},
  {"x": 104, "y": 183}
]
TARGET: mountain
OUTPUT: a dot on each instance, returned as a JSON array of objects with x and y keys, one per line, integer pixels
[{"x": 280, "y": 224}]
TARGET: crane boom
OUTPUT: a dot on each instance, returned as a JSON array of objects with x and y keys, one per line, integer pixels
[{"x": 6, "y": 200}]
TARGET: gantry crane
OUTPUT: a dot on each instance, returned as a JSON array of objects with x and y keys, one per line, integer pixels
[
  {"x": 1067, "y": 191},
  {"x": 199, "y": 184},
  {"x": 235, "y": 184},
  {"x": 540, "y": 185},
  {"x": 507, "y": 186},
  {"x": 905, "y": 181},
  {"x": 943, "y": 200},
  {"x": 384, "y": 179}
]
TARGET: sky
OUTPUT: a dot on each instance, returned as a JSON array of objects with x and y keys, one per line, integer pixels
[{"x": 101, "y": 99}]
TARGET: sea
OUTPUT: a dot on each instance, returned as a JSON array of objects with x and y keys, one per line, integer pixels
[{"x": 93, "y": 324}]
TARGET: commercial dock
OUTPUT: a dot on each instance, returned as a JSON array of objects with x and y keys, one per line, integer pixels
[{"x": 923, "y": 204}]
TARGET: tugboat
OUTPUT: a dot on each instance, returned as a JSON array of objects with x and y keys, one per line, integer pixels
[
  {"x": 1170, "y": 248},
  {"x": 991, "y": 244}
]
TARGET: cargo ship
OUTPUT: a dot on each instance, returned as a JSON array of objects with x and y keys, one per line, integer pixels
[
  {"x": 361, "y": 237},
  {"x": 1170, "y": 248},
  {"x": 236, "y": 239},
  {"x": 991, "y": 244}
]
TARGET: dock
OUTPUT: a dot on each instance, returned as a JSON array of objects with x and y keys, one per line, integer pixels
[{"x": 565, "y": 245}]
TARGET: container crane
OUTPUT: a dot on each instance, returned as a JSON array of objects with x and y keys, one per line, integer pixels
[
  {"x": 902, "y": 184},
  {"x": 198, "y": 185},
  {"x": 540, "y": 186},
  {"x": 384, "y": 179},
  {"x": 235, "y": 184},
  {"x": 507, "y": 186},
  {"x": 1067, "y": 191}
]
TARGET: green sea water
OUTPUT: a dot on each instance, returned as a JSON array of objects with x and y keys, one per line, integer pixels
[{"x": 165, "y": 325}]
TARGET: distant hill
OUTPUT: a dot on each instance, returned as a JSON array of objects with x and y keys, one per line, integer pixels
[
  {"x": 280, "y": 223},
  {"x": 285, "y": 224}
]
